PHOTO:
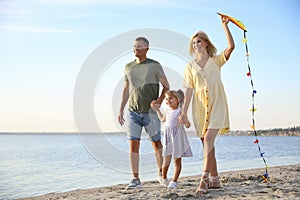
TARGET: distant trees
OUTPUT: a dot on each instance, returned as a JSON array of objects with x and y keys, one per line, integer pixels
[{"x": 290, "y": 131}]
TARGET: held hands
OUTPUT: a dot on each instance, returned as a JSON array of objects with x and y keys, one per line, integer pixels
[
  {"x": 184, "y": 120},
  {"x": 187, "y": 124},
  {"x": 155, "y": 105}
]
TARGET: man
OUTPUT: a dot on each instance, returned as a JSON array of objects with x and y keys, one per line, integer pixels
[{"x": 142, "y": 78}]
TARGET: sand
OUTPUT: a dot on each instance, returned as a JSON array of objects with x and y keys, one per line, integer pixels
[{"x": 244, "y": 184}]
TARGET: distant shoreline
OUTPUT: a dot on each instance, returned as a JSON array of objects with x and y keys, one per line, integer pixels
[
  {"x": 190, "y": 133},
  {"x": 290, "y": 131}
]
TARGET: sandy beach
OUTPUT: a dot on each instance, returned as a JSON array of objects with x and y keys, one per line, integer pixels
[{"x": 244, "y": 184}]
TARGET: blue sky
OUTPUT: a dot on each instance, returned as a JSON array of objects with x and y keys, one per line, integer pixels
[{"x": 44, "y": 44}]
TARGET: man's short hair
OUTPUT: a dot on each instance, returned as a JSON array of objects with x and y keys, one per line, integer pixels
[{"x": 143, "y": 39}]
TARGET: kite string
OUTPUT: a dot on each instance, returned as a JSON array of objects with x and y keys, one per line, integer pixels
[{"x": 253, "y": 109}]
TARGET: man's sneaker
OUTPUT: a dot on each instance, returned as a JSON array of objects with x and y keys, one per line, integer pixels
[
  {"x": 134, "y": 183},
  {"x": 162, "y": 181},
  {"x": 172, "y": 185}
]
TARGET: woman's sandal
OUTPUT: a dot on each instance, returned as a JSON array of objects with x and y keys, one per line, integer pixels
[
  {"x": 205, "y": 181},
  {"x": 214, "y": 182}
]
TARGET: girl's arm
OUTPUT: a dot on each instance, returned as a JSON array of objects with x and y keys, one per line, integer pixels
[
  {"x": 229, "y": 38},
  {"x": 161, "y": 117},
  {"x": 156, "y": 107}
]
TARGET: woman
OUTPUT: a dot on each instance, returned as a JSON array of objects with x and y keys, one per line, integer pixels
[{"x": 210, "y": 111}]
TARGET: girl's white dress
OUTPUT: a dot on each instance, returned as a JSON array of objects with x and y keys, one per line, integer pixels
[{"x": 175, "y": 139}]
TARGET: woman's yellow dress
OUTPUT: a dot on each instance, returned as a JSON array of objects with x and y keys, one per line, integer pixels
[{"x": 209, "y": 104}]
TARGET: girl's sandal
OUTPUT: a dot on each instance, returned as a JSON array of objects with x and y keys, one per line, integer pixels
[
  {"x": 214, "y": 182},
  {"x": 205, "y": 181}
]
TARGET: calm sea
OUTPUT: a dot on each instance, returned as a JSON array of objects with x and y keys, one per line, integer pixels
[{"x": 32, "y": 165}]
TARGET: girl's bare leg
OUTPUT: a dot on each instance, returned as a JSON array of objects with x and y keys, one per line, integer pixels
[
  {"x": 177, "y": 169},
  {"x": 165, "y": 166}
]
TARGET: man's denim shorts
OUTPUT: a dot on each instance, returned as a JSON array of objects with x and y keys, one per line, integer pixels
[{"x": 149, "y": 120}]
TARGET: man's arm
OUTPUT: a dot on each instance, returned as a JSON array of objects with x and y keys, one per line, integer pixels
[
  {"x": 163, "y": 80},
  {"x": 125, "y": 96}
]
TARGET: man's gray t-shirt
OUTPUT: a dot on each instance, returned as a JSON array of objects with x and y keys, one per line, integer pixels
[{"x": 143, "y": 81}]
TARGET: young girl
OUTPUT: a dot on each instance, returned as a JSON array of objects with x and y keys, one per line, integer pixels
[
  {"x": 210, "y": 111},
  {"x": 175, "y": 140}
]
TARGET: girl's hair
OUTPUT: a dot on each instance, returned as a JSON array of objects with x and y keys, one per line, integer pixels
[
  {"x": 179, "y": 95},
  {"x": 211, "y": 49}
]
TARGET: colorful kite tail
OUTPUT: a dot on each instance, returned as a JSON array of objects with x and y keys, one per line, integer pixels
[{"x": 253, "y": 109}]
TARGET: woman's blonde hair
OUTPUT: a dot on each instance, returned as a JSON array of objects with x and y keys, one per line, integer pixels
[
  {"x": 211, "y": 49},
  {"x": 179, "y": 95}
]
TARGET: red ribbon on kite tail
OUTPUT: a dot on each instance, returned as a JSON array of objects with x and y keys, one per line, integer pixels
[{"x": 238, "y": 23}]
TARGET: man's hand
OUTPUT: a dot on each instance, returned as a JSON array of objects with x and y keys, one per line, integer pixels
[{"x": 121, "y": 118}]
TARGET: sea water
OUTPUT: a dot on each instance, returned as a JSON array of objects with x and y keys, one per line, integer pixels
[{"x": 36, "y": 164}]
